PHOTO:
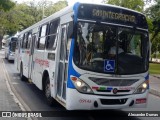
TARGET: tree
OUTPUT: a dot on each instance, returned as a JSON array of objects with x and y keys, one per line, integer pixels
[
  {"x": 56, "y": 7},
  {"x": 137, "y": 5},
  {"x": 24, "y": 15},
  {"x": 15, "y": 19},
  {"x": 153, "y": 13},
  {"x": 155, "y": 44},
  {"x": 47, "y": 8},
  {"x": 6, "y": 4}
]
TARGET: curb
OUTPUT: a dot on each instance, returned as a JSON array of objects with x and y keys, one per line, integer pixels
[
  {"x": 156, "y": 76},
  {"x": 154, "y": 92}
]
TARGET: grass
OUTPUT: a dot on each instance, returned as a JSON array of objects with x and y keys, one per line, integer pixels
[{"x": 154, "y": 68}]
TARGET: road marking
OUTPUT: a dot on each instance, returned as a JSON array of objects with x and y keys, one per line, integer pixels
[
  {"x": 7, "y": 78},
  {"x": 15, "y": 83}
]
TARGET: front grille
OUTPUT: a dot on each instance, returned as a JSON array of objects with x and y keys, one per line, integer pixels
[
  {"x": 110, "y": 91},
  {"x": 113, "y": 101},
  {"x": 103, "y": 90},
  {"x": 113, "y": 82}
]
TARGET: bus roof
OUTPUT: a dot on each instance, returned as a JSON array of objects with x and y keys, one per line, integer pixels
[{"x": 70, "y": 9}]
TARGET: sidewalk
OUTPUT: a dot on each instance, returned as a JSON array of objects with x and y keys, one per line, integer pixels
[
  {"x": 7, "y": 102},
  {"x": 7, "y": 99},
  {"x": 155, "y": 84}
]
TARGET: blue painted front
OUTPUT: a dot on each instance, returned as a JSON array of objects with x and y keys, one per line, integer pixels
[{"x": 71, "y": 70}]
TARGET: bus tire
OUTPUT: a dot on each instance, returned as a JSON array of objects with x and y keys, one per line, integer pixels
[
  {"x": 47, "y": 92},
  {"x": 21, "y": 73}
]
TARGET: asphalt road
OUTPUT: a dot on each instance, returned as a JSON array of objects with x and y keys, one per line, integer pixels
[{"x": 35, "y": 100}]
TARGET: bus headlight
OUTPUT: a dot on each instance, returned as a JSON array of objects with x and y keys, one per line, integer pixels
[
  {"x": 142, "y": 88},
  {"x": 80, "y": 85}
]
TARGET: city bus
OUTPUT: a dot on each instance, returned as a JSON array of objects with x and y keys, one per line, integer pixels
[
  {"x": 88, "y": 57},
  {"x": 10, "y": 46}
]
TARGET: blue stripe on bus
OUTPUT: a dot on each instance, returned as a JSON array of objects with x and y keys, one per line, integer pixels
[
  {"x": 147, "y": 78},
  {"x": 71, "y": 70},
  {"x": 75, "y": 9}
]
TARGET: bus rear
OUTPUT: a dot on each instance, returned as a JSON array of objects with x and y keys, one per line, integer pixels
[{"x": 109, "y": 59}]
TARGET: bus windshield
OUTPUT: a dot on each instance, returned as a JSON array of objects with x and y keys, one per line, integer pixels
[
  {"x": 12, "y": 44},
  {"x": 97, "y": 43}
]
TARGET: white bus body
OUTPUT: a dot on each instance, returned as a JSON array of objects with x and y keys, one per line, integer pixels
[{"x": 47, "y": 51}]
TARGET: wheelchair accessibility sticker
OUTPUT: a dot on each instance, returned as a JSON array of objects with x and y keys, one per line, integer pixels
[{"x": 109, "y": 65}]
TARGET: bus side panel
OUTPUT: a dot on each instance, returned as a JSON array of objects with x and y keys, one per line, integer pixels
[
  {"x": 23, "y": 61},
  {"x": 49, "y": 65},
  {"x": 16, "y": 58},
  {"x": 38, "y": 68}
]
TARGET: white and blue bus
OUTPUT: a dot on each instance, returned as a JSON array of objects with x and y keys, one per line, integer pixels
[
  {"x": 10, "y": 47},
  {"x": 88, "y": 56}
]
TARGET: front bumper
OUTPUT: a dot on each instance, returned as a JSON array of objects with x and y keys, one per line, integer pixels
[
  {"x": 78, "y": 101},
  {"x": 11, "y": 57}
]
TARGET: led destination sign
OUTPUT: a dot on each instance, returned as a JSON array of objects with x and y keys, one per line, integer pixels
[{"x": 111, "y": 14}]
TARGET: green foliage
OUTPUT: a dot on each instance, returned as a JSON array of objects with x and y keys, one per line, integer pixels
[
  {"x": 155, "y": 44},
  {"x": 137, "y": 5},
  {"x": 150, "y": 24},
  {"x": 153, "y": 14},
  {"x": 51, "y": 8},
  {"x": 155, "y": 56},
  {"x": 24, "y": 15},
  {"x": 6, "y": 4}
]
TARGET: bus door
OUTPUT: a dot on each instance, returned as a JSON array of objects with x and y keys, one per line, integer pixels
[
  {"x": 62, "y": 66},
  {"x": 32, "y": 43}
]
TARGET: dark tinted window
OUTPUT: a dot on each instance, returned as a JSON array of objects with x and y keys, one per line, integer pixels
[
  {"x": 20, "y": 39},
  {"x": 42, "y": 37},
  {"x": 52, "y": 34},
  {"x": 24, "y": 40},
  {"x": 110, "y": 49},
  {"x": 29, "y": 40}
]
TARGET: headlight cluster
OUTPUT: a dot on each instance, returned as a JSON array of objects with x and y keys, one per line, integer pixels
[
  {"x": 142, "y": 88},
  {"x": 80, "y": 85}
]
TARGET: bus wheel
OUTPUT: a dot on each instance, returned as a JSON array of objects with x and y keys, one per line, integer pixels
[
  {"x": 21, "y": 73},
  {"x": 47, "y": 91}
]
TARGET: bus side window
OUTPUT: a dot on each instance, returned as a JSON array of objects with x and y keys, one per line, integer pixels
[
  {"x": 29, "y": 40},
  {"x": 42, "y": 37},
  {"x": 69, "y": 38},
  {"x": 52, "y": 34},
  {"x": 20, "y": 39},
  {"x": 26, "y": 38},
  {"x": 23, "y": 41}
]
